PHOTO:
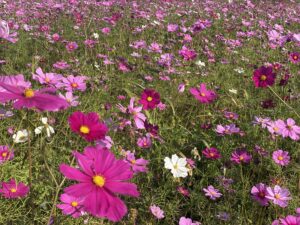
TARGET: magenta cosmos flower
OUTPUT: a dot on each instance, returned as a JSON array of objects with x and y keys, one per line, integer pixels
[
  {"x": 12, "y": 189},
  {"x": 241, "y": 156},
  {"x": 259, "y": 192},
  {"x": 263, "y": 77},
  {"x": 187, "y": 54},
  {"x": 101, "y": 177},
  {"x": 211, "y": 153},
  {"x": 71, "y": 205},
  {"x": 88, "y": 125},
  {"x": 149, "y": 99},
  {"x": 187, "y": 221},
  {"x": 212, "y": 192},
  {"x": 5, "y": 154},
  {"x": 157, "y": 212},
  {"x": 71, "y": 46},
  {"x": 29, "y": 98},
  {"x": 279, "y": 196},
  {"x": 281, "y": 157},
  {"x": 294, "y": 57},
  {"x": 203, "y": 95}
]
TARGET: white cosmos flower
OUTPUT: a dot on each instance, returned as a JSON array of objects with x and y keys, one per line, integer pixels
[
  {"x": 47, "y": 127},
  {"x": 21, "y": 136},
  {"x": 200, "y": 63},
  {"x": 177, "y": 166},
  {"x": 96, "y": 35}
]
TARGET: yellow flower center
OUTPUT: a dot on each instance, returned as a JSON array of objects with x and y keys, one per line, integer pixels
[
  {"x": 176, "y": 166},
  {"x": 74, "y": 85},
  {"x": 212, "y": 154},
  {"x": 99, "y": 180},
  {"x": 149, "y": 99},
  {"x": 74, "y": 204},
  {"x": 47, "y": 79},
  {"x": 84, "y": 129},
  {"x": 263, "y": 77},
  {"x": 280, "y": 158},
  {"x": 276, "y": 129},
  {"x": 13, "y": 190},
  {"x": 241, "y": 158},
  {"x": 295, "y": 57},
  {"x": 202, "y": 94},
  {"x": 4, "y": 154},
  {"x": 277, "y": 196},
  {"x": 28, "y": 93},
  {"x": 133, "y": 161}
]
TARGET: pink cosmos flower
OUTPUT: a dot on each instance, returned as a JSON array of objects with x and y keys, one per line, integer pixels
[
  {"x": 259, "y": 192},
  {"x": 14, "y": 80},
  {"x": 46, "y": 78},
  {"x": 276, "y": 127},
  {"x": 5, "y": 154},
  {"x": 87, "y": 125},
  {"x": 187, "y": 54},
  {"x": 279, "y": 196},
  {"x": 5, "y": 33},
  {"x": 291, "y": 130},
  {"x": 12, "y": 189},
  {"x": 101, "y": 177},
  {"x": 71, "y": 205},
  {"x": 227, "y": 129},
  {"x": 263, "y": 122},
  {"x": 155, "y": 47},
  {"x": 183, "y": 191},
  {"x": 71, "y": 46},
  {"x": 281, "y": 157},
  {"x": 29, "y": 98},
  {"x": 105, "y": 30},
  {"x": 290, "y": 220},
  {"x": 55, "y": 37},
  {"x": 211, "y": 153},
  {"x": 294, "y": 57},
  {"x": 157, "y": 212},
  {"x": 144, "y": 142},
  {"x": 73, "y": 83},
  {"x": 138, "y": 117},
  {"x": 62, "y": 65},
  {"x": 231, "y": 115},
  {"x": 263, "y": 77},
  {"x": 212, "y": 192},
  {"x": 172, "y": 28},
  {"x": 149, "y": 99},
  {"x": 241, "y": 156},
  {"x": 107, "y": 142},
  {"x": 70, "y": 98},
  {"x": 137, "y": 165},
  {"x": 203, "y": 95},
  {"x": 187, "y": 221}
]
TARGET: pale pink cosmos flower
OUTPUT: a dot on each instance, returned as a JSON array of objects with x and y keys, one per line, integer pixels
[
  {"x": 14, "y": 80},
  {"x": 46, "y": 78},
  {"x": 279, "y": 196},
  {"x": 157, "y": 212},
  {"x": 212, "y": 192},
  {"x": 73, "y": 83},
  {"x": 137, "y": 165},
  {"x": 5, "y": 33},
  {"x": 144, "y": 142},
  {"x": 70, "y": 98},
  {"x": 291, "y": 130},
  {"x": 281, "y": 157}
]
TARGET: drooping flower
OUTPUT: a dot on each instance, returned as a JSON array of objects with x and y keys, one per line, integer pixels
[
  {"x": 241, "y": 156},
  {"x": 281, "y": 157},
  {"x": 187, "y": 221},
  {"x": 259, "y": 192},
  {"x": 21, "y": 136},
  {"x": 176, "y": 165},
  {"x": 202, "y": 94},
  {"x": 157, "y": 212},
  {"x": 87, "y": 125},
  {"x": 46, "y": 126},
  {"x": 263, "y": 77},
  {"x": 294, "y": 57},
  {"x": 279, "y": 196},
  {"x": 212, "y": 192},
  {"x": 29, "y": 98},
  {"x": 71, "y": 205},
  {"x": 101, "y": 177},
  {"x": 12, "y": 189},
  {"x": 5, "y": 154},
  {"x": 211, "y": 153},
  {"x": 149, "y": 99}
]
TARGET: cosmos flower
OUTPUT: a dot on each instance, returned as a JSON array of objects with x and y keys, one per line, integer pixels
[
  {"x": 149, "y": 99},
  {"x": 101, "y": 178},
  {"x": 157, "y": 212},
  {"x": 137, "y": 165},
  {"x": 62, "y": 65},
  {"x": 212, "y": 192},
  {"x": 46, "y": 126},
  {"x": 290, "y": 130},
  {"x": 202, "y": 94},
  {"x": 21, "y": 136},
  {"x": 276, "y": 127},
  {"x": 259, "y": 192},
  {"x": 263, "y": 77},
  {"x": 187, "y": 221},
  {"x": 5, "y": 154},
  {"x": 5, "y": 32},
  {"x": 279, "y": 196},
  {"x": 241, "y": 156},
  {"x": 144, "y": 142},
  {"x": 46, "y": 78},
  {"x": 211, "y": 153},
  {"x": 294, "y": 57},
  {"x": 177, "y": 166},
  {"x": 263, "y": 122},
  {"x": 71, "y": 205},
  {"x": 70, "y": 98},
  {"x": 290, "y": 220},
  {"x": 87, "y": 125},
  {"x": 12, "y": 189},
  {"x": 227, "y": 129},
  {"x": 281, "y": 157},
  {"x": 138, "y": 117},
  {"x": 14, "y": 80},
  {"x": 73, "y": 83},
  {"x": 231, "y": 115},
  {"x": 71, "y": 46},
  {"x": 29, "y": 98},
  {"x": 187, "y": 54}
]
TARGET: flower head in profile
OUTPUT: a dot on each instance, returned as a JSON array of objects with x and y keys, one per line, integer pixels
[
  {"x": 49, "y": 130},
  {"x": 177, "y": 166},
  {"x": 212, "y": 192},
  {"x": 5, "y": 154},
  {"x": 259, "y": 192},
  {"x": 71, "y": 205},
  {"x": 157, "y": 212},
  {"x": 263, "y": 77},
  {"x": 279, "y": 196},
  {"x": 281, "y": 157},
  {"x": 101, "y": 178},
  {"x": 87, "y": 125},
  {"x": 12, "y": 189},
  {"x": 149, "y": 99},
  {"x": 203, "y": 95},
  {"x": 227, "y": 129}
]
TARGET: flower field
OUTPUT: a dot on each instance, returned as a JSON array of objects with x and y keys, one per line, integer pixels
[{"x": 181, "y": 112}]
